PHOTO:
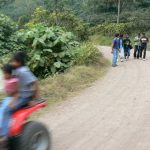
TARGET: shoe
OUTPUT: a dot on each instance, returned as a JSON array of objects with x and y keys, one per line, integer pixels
[
  {"x": 144, "y": 59},
  {"x": 114, "y": 65}
]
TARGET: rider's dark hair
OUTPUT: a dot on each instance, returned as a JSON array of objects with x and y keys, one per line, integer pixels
[
  {"x": 21, "y": 58},
  {"x": 7, "y": 69}
]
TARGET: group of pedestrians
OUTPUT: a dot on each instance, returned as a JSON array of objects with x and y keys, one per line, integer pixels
[
  {"x": 121, "y": 47},
  {"x": 140, "y": 46}
]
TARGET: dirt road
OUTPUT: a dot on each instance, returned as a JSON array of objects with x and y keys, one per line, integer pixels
[{"x": 113, "y": 114}]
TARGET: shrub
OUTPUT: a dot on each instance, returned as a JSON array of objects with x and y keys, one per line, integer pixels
[
  {"x": 99, "y": 39},
  {"x": 87, "y": 54},
  {"x": 112, "y": 28},
  {"x": 66, "y": 19},
  {"x": 49, "y": 49},
  {"x": 8, "y": 40}
]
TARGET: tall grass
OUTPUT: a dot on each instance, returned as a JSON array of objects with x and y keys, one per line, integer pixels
[
  {"x": 101, "y": 40},
  {"x": 87, "y": 54},
  {"x": 90, "y": 65}
]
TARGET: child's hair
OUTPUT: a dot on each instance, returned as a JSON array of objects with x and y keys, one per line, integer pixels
[
  {"x": 20, "y": 57},
  {"x": 7, "y": 69}
]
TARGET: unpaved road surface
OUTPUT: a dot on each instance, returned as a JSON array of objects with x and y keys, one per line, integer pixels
[{"x": 113, "y": 114}]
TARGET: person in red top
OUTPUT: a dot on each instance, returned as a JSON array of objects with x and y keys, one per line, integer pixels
[
  {"x": 21, "y": 93},
  {"x": 11, "y": 87}
]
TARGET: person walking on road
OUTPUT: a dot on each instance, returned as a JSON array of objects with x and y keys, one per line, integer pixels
[
  {"x": 144, "y": 41},
  {"x": 127, "y": 47},
  {"x": 121, "y": 51},
  {"x": 115, "y": 49},
  {"x": 137, "y": 46}
]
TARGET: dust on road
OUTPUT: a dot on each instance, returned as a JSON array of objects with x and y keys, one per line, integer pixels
[{"x": 113, "y": 114}]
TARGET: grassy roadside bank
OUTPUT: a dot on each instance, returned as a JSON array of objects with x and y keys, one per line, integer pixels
[
  {"x": 60, "y": 87},
  {"x": 101, "y": 40}
]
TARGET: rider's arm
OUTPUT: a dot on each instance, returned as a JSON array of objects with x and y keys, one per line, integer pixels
[{"x": 112, "y": 47}]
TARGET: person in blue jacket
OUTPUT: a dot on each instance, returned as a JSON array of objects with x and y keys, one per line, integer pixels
[{"x": 115, "y": 49}]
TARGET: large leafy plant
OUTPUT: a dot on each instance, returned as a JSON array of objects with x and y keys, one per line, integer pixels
[{"x": 49, "y": 48}]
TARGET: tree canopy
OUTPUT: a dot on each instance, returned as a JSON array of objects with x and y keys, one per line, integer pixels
[{"x": 92, "y": 11}]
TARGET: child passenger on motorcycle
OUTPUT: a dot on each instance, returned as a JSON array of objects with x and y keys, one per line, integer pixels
[{"x": 21, "y": 87}]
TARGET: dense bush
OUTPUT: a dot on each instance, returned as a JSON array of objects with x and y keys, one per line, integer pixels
[
  {"x": 87, "y": 54},
  {"x": 66, "y": 19},
  {"x": 111, "y": 28},
  {"x": 18, "y": 8},
  {"x": 49, "y": 49},
  {"x": 8, "y": 39},
  {"x": 92, "y": 11}
]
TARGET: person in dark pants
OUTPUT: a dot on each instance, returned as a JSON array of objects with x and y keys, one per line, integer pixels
[
  {"x": 137, "y": 46},
  {"x": 144, "y": 41},
  {"x": 127, "y": 47}
]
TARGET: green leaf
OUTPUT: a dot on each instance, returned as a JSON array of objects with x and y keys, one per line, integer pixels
[
  {"x": 53, "y": 70},
  {"x": 57, "y": 64},
  {"x": 47, "y": 50}
]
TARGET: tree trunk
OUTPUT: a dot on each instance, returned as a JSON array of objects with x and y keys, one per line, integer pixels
[{"x": 118, "y": 17}]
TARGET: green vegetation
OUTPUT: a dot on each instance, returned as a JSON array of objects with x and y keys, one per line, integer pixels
[
  {"x": 7, "y": 37},
  {"x": 87, "y": 54},
  {"x": 64, "y": 85},
  {"x": 109, "y": 29},
  {"x": 99, "y": 39},
  {"x": 93, "y": 12},
  {"x": 64, "y": 64},
  {"x": 66, "y": 19},
  {"x": 60, "y": 87},
  {"x": 48, "y": 48}
]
